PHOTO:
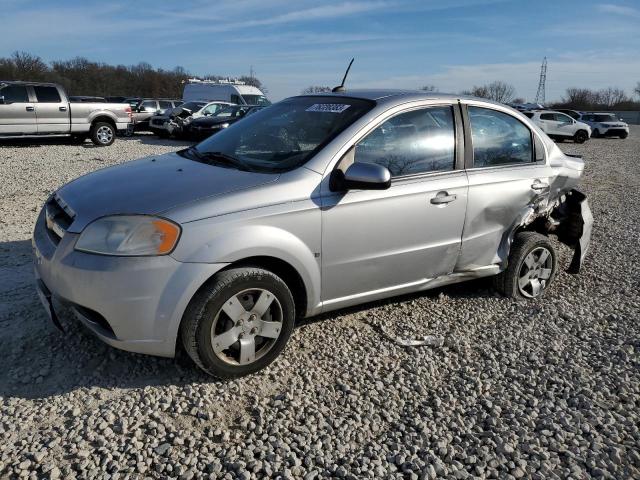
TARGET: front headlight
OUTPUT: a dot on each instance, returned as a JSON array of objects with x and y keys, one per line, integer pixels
[{"x": 129, "y": 235}]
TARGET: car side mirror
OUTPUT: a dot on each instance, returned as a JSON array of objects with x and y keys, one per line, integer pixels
[{"x": 366, "y": 176}]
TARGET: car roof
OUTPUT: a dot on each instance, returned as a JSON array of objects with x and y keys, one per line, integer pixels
[{"x": 394, "y": 96}]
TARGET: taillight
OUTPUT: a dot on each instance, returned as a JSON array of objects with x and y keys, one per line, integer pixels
[{"x": 129, "y": 112}]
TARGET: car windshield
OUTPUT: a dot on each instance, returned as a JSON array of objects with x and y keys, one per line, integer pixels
[
  {"x": 605, "y": 118},
  {"x": 231, "y": 112},
  {"x": 256, "y": 100},
  {"x": 283, "y": 136},
  {"x": 193, "y": 106}
]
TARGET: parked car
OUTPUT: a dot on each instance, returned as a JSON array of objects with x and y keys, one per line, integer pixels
[
  {"x": 203, "y": 127},
  {"x": 225, "y": 91},
  {"x": 171, "y": 121},
  {"x": 560, "y": 126},
  {"x": 316, "y": 203},
  {"x": 605, "y": 124},
  {"x": 43, "y": 109},
  {"x": 145, "y": 108},
  {"x": 84, "y": 98}
]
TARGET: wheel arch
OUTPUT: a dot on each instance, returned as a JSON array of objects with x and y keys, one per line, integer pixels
[{"x": 103, "y": 118}]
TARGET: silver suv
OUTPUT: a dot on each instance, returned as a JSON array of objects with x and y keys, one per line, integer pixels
[{"x": 312, "y": 204}]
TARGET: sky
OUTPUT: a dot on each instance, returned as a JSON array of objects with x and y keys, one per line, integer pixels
[{"x": 292, "y": 44}]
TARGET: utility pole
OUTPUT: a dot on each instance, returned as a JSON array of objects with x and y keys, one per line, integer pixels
[{"x": 540, "y": 96}]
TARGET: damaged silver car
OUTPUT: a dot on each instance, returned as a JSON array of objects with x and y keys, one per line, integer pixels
[{"x": 310, "y": 205}]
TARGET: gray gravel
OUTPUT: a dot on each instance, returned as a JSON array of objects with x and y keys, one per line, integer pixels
[{"x": 541, "y": 389}]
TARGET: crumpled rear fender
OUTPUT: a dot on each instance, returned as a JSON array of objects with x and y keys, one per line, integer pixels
[{"x": 569, "y": 218}]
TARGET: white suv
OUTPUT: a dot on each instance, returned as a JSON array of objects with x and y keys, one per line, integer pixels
[
  {"x": 560, "y": 126},
  {"x": 606, "y": 125}
]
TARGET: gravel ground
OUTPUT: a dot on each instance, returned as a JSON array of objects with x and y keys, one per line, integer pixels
[{"x": 539, "y": 389}]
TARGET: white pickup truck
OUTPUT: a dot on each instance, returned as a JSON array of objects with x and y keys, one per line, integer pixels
[{"x": 43, "y": 109}]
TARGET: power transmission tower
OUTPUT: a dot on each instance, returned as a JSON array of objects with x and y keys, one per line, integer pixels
[{"x": 542, "y": 83}]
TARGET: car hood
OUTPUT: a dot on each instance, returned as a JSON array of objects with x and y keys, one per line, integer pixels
[{"x": 151, "y": 186}]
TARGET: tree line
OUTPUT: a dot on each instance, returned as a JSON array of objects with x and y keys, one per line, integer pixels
[
  {"x": 611, "y": 98},
  {"x": 80, "y": 76}
]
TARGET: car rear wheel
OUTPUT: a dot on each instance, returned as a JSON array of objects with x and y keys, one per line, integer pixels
[
  {"x": 239, "y": 322},
  {"x": 581, "y": 136},
  {"x": 531, "y": 267},
  {"x": 624, "y": 135},
  {"x": 102, "y": 134},
  {"x": 595, "y": 133}
]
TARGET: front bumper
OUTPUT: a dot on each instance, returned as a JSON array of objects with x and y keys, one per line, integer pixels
[
  {"x": 616, "y": 132},
  {"x": 132, "y": 303}
]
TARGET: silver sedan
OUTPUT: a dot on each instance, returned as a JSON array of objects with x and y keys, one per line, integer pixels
[{"x": 313, "y": 204}]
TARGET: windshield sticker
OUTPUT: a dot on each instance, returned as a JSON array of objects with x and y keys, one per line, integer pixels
[{"x": 328, "y": 107}]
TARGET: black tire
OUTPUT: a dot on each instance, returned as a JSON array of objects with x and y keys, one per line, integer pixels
[
  {"x": 624, "y": 135},
  {"x": 525, "y": 243},
  {"x": 581, "y": 136},
  {"x": 102, "y": 134},
  {"x": 559, "y": 139},
  {"x": 595, "y": 133},
  {"x": 205, "y": 312}
]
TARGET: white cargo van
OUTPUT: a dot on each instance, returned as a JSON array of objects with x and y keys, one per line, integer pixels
[{"x": 226, "y": 91}]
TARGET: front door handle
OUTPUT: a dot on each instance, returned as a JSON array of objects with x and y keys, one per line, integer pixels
[
  {"x": 539, "y": 186},
  {"x": 63, "y": 109},
  {"x": 30, "y": 109},
  {"x": 443, "y": 198}
]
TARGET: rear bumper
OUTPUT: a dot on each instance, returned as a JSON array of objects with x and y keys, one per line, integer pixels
[
  {"x": 132, "y": 303},
  {"x": 574, "y": 227}
]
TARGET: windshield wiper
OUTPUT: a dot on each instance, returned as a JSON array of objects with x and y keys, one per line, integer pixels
[{"x": 225, "y": 158}]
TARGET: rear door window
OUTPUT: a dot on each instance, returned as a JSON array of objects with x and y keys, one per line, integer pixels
[
  {"x": 47, "y": 94},
  {"x": 418, "y": 141},
  {"x": 547, "y": 116},
  {"x": 150, "y": 105},
  {"x": 14, "y": 94},
  {"x": 498, "y": 138},
  {"x": 165, "y": 104}
]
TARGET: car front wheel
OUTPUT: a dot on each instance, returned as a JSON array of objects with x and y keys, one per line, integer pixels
[
  {"x": 239, "y": 322},
  {"x": 531, "y": 267},
  {"x": 580, "y": 137}
]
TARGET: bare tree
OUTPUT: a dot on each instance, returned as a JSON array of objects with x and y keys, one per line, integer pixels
[
  {"x": 429, "y": 88},
  {"x": 637, "y": 89},
  {"x": 612, "y": 96},
  {"x": 315, "y": 89},
  {"x": 497, "y": 91},
  {"x": 29, "y": 67}
]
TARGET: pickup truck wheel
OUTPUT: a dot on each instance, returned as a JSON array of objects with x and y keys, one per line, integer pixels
[
  {"x": 239, "y": 322},
  {"x": 581, "y": 136},
  {"x": 531, "y": 267},
  {"x": 102, "y": 134}
]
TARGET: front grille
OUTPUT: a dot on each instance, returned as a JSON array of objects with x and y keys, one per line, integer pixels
[{"x": 58, "y": 216}]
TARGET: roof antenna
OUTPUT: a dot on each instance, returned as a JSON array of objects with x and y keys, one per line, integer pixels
[{"x": 340, "y": 88}]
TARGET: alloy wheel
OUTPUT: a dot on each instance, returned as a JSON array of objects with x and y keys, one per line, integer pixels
[
  {"x": 535, "y": 272},
  {"x": 104, "y": 134},
  {"x": 246, "y": 327}
]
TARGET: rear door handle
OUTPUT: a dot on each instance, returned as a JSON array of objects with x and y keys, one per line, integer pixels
[
  {"x": 63, "y": 109},
  {"x": 539, "y": 186},
  {"x": 442, "y": 198},
  {"x": 30, "y": 109}
]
